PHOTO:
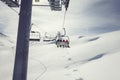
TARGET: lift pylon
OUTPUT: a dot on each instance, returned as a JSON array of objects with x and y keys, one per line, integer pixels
[{"x": 22, "y": 47}]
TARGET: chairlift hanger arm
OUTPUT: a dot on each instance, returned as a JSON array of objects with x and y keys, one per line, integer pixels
[
  {"x": 67, "y": 4},
  {"x": 64, "y": 32}
]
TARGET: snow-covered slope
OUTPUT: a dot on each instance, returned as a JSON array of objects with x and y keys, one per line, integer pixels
[
  {"x": 8, "y": 20},
  {"x": 5, "y": 40},
  {"x": 6, "y": 57},
  {"x": 66, "y": 64},
  {"x": 90, "y": 57}
]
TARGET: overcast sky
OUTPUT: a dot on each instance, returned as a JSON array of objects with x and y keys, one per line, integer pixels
[
  {"x": 83, "y": 17},
  {"x": 95, "y": 16}
]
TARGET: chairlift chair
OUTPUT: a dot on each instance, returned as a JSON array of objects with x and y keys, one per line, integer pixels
[
  {"x": 63, "y": 41},
  {"x": 34, "y": 36},
  {"x": 48, "y": 38},
  {"x": 55, "y": 5}
]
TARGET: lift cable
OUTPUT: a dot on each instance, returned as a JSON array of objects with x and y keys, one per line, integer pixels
[
  {"x": 66, "y": 8},
  {"x": 64, "y": 19}
]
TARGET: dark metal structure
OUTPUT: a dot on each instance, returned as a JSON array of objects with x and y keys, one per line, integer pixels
[
  {"x": 11, "y": 3},
  {"x": 22, "y": 47},
  {"x": 56, "y": 5}
]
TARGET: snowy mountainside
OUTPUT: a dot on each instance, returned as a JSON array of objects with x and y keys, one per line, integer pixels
[
  {"x": 8, "y": 20},
  {"x": 7, "y": 50},
  {"x": 89, "y": 57},
  {"x": 64, "y": 62}
]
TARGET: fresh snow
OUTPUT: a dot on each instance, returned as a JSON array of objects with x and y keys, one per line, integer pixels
[{"x": 90, "y": 57}]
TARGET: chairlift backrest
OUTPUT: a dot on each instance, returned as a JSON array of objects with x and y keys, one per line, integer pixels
[
  {"x": 55, "y": 5},
  {"x": 48, "y": 38},
  {"x": 34, "y": 36}
]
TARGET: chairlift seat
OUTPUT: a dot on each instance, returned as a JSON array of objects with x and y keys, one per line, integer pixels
[
  {"x": 34, "y": 36},
  {"x": 63, "y": 42},
  {"x": 55, "y": 5}
]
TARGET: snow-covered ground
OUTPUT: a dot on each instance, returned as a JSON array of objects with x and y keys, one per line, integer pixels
[{"x": 90, "y": 57}]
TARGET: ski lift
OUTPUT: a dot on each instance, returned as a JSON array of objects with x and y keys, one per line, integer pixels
[
  {"x": 34, "y": 36},
  {"x": 62, "y": 40},
  {"x": 55, "y": 5},
  {"x": 48, "y": 38}
]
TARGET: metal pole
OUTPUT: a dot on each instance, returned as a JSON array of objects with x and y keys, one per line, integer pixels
[{"x": 22, "y": 47}]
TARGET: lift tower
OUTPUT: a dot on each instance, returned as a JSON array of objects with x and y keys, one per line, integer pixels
[{"x": 22, "y": 47}]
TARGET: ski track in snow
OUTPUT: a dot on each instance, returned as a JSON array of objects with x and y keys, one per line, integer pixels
[{"x": 45, "y": 69}]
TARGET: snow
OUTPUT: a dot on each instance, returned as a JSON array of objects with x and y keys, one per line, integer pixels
[
  {"x": 104, "y": 68},
  {"x": 90, "y": 57},
  {"x": 8, "y": 20}
]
